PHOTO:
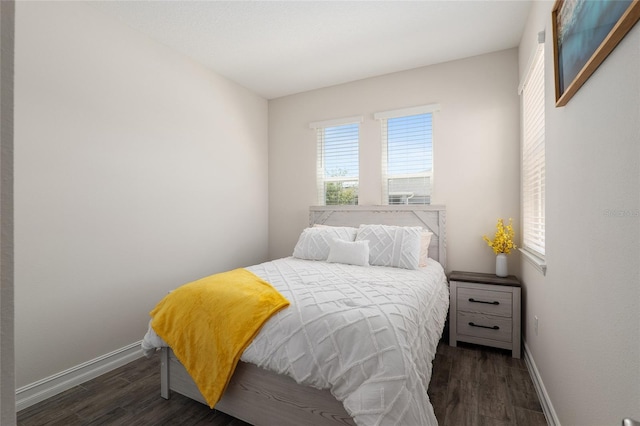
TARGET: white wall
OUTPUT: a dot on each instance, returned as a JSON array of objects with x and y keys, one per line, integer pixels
[
  {"x": 587, "y": 349},
  {"x": 136, "y": 170},
  {"x": 476, "y": 149}
]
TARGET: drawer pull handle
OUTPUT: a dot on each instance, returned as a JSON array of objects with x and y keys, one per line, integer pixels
[
  {"x": 472, "y": 300},
  {"x": 495, "y": 327}
]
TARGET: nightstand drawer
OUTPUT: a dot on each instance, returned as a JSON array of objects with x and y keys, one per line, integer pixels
[
  {"x": 493, "y": 315},
  {"x": 485, "y": 301},
  {"x": 484, "y": 326}
]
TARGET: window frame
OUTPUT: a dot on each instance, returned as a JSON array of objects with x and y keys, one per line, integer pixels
[
  {"x": 321, "y": 179},
  {"x": 533, "y": 162},
  {"x": 384, "y": 117}
]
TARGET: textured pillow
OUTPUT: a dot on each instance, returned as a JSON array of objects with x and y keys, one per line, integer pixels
[
  {"x": 349, "y": 252},
  {"x": 395, "y": 246},
  {"x": 425, "y": 240},
  {"x": 313, "y": 243}
]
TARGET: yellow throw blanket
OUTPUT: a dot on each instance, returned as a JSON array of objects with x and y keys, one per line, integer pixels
[{"x": 208, "y": 323}]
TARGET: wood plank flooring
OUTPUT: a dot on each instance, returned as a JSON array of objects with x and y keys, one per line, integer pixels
[
  {"x": 471, "y": 385},
  {"x": 474, "y": 385}
]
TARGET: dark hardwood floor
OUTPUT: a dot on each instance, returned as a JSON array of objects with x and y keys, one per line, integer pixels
[
  {"x": 476, "y": 385},
  {"x": 471, "y": 385}
]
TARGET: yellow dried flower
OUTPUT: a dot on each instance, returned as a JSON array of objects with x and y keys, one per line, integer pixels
[{"x": 503, "y": 239}]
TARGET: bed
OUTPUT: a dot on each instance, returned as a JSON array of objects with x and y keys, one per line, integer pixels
[{"x": 274, "y": 384}]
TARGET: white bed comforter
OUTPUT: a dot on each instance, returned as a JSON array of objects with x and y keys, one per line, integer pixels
[{"x": 369, "y": 334}]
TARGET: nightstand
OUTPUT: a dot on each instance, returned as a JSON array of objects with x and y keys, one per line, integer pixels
[{"x": 485, "y": 310}]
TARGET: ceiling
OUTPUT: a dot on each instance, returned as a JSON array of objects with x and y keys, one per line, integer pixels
[{"x": 278, "y": 48}]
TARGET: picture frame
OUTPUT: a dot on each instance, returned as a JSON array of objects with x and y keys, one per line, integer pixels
[{"x": 584, "y": 34}]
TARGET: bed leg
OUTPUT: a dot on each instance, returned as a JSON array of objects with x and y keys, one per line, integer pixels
[{"x": 164, "y": 373}]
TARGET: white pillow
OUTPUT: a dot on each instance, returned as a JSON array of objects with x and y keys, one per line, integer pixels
[
  {"x": 313, "y": 243},
  {"x": 349, "y": 252},
  {"x": 395, "y": 246},
  {"x": 425, "y": 240}
]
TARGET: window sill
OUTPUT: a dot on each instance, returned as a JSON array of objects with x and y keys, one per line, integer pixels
[{"x": 538, "y": 262}]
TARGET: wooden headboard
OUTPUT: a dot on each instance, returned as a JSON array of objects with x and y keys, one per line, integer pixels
[{"x": 429, "y": 217}]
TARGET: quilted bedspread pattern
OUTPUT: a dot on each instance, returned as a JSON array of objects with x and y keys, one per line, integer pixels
[{"x": 369, "y": 334}]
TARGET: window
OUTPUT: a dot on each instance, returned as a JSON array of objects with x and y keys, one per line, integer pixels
[
  {"x": 337, "y": 162},
  {"x": 533, "y": 158},
  {"x": 407, "y": 155}
]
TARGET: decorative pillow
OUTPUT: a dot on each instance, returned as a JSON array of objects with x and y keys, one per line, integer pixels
[
  {"x": 395, "y": 246},
  {"x": 313, "y": 243},
  {"x": 425, "y": 240},
  {"x": 349, "y": 252}
]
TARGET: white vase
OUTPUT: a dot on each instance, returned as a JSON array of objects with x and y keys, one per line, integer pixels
[{"x": 501, "y": 265}]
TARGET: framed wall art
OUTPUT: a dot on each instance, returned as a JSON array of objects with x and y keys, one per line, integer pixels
[{"x": 584, "y": 33}]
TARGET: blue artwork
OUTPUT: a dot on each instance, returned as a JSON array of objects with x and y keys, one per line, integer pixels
[{"x": 582, "y": 25}]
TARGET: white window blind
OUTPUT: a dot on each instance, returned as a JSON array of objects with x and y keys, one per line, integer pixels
[
  {"x": 407, "y": 155},
  {"x": 338, "y": 161},
  {"x": 533, "y": 157}
]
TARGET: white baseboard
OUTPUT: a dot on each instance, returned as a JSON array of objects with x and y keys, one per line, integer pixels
[
  {"x": 33, "y": 393},
  {"x": 547, "y": 406}
]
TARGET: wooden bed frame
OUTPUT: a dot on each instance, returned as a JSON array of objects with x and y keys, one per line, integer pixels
[{"x": 261, "y": 397}]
